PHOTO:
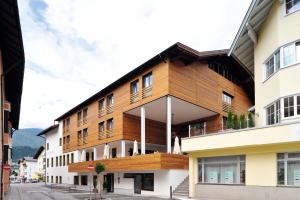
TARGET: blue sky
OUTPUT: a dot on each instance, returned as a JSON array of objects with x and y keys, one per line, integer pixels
[{"x": 74, "y": 48}]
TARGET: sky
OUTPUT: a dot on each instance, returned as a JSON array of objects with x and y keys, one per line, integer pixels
[{"x": 75, "y": 48}]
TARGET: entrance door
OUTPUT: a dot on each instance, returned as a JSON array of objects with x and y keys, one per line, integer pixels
[
  {"x": 138, "y": 184},
  {"x": 110, "y": 182}
]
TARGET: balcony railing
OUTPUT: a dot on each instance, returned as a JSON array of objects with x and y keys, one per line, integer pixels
[
  {"x": 85, "y": 120},
  {"x": 226, "y": 107},
  {"x": 79, "y": 142},
  {"x": 101, "y": 112},
  {"x": 147, "y": 91},
  {"x": 134, "y": 97},
  {"x": 109, "y": 109},
  {"x": 109, "y": 133},
  {"x": 85, "y": 140},
  {"x": 101, "y": 135},
  {"x": 79, "y": 122}
]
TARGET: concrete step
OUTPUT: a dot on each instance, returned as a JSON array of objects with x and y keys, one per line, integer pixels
[{"x": 183, "y": 188}]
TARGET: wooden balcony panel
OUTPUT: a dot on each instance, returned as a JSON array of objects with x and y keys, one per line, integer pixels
[
  {"x": 226, "y": 107},
  {"x": 109, "y": 133},
  {"x": 134, "y": 97},
  {"x": 101, "y": 135},
  {"x": 85, "y": 140},
  {"x": 109, "y": 109},
  {"x": 101, "y": 113},
  {"x": 155, "y": 161},
  {"x": 147, "y": 91}
]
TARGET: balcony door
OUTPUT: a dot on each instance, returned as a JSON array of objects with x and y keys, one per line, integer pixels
[
  {"x": 110, "y": 182},
  {"x": 138, "y": 183}
]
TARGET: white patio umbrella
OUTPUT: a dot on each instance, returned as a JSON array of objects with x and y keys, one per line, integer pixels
[
  {"x": 106, "y": 152},
  {"x": 176, "y": 146},
  {"x": 135, "y": 148}
]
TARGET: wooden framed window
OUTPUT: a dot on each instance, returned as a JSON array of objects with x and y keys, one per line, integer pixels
[
  {"x": 85, "y": 136},
  {"x": 110, "y": 103},
  {"x": 79, "y": 118},
  {"x": 101, "y": 129},
  {"x": 110, "y": 126},
  {"x": 134, "y": 91},
  {"x": 147, "y": 85},
  {"x": 79, "y": 137},
  {"x": 101, "y": 107},
  {"x": 85, "y": 115}
]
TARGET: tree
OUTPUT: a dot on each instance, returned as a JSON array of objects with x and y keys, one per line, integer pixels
[
  {"x": 243, "y": 123},
  {"x": 229, "y": 122},
  {"x": 250, "y": 120},
  {"x": 99, "y": 168},
  {"x": 235, "y": 122}
]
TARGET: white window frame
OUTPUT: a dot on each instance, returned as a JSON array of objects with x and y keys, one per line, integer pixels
[
  {"x": 285, "y": 160},
  {"x": 275, "y": 112},
  {"x": 227, "y": 98},
  {"x": 282, "y": 66},
  {"x": 285, "y": 11}
]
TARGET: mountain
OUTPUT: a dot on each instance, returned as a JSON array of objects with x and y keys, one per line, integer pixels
[
  {"x": 27, "y": 137},
  {"x": 26, "y": 143}
]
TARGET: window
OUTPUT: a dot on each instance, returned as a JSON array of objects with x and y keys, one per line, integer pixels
[
  {"x": 227, "y": 98},
  {"x": 87, "y": 156},
  {"x": 110, "y": 124},
  {"x": 64, "y": 160},
  {"x": 47, "y": 179},
  {"x": 56, "y": 161},
  {"x": 222, "y": 170},
  {"x": 68, "y": 138},
  {"x": 84, "y": 180},
  {"x": 288, "y": 106},
  {"x": 76, "y": 180},
  {"x": 60, "y": 141},
  {"x": 68, "y": 159},
  {"x": 79, "y": 118},
  {"x": 147, "y": 80},
  {"x": 298, "y": 105},
  {"x": 288, "y": 169},
  {"x": 79, "y": 137},
  {"x": 289, "y": 54},
  {"x": 114, "y": 152},
  {"x": 60, "y": 160},
  {"x": 47, "y": 146},
  {"x": 134, "y": 87},
  {"x": 60, "y": 180},
  {"x": 101, "y": 105},
  {"x": 197, "y": 129},
  {"x": 101, "y": 127},
  {"x": 273, "y": 113},
  {"x": 85, "y": 113},
  {"x": 292, "y": 6},
  {"x": 110, "y": 100},
  {"x": 148, "y": 182},
  {"x": 51, "y": 179},
  {"x": 47, "y": 162},
  {"x": 85, "y": 136},
  {"x": 72, "y": 157},
  {"x": 298, "y": 51},
  {"x": 52, "y": 162},
  {"x": 56, "y": 179}
]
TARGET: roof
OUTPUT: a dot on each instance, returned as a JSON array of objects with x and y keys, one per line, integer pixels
[
  {"x": 242, "y": 47},
  {"x": 39, "y": 151},
  {"x": 176, "y": 51},
  {"x": 43, "y": 132},
  {"x": 11, "y": 45},
  {"x": 29, "y": 159}
]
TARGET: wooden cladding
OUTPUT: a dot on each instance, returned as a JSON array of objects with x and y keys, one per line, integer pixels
[
  {"x": 134, "y": 97},
  {"x": 155, "y": 161},
  {"x": 147, "y": 91}
]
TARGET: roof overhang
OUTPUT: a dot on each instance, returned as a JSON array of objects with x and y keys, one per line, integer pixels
[
  {"x": 11, "y": 45},
  {"x": 50, "y": 128},
  {"x": 242, "y": 48}
]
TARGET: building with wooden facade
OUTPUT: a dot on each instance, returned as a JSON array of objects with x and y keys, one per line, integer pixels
[
  {"x": 262, "y": 162},
  {"x": 11, "y": 82},
  {"x": 179, "y": 92}
]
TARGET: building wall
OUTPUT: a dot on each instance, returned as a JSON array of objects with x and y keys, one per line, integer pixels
[
  {"x": 277, "y": 30},
  {"x": 41, "y": 163},
  {"x": 52, "y": 137},
  {"x": 31, "y": 169}
]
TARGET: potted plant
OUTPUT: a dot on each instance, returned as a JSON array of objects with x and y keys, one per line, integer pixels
[
  {"x": 99, "y": 168},
  {"x": 229, "y": 122}
]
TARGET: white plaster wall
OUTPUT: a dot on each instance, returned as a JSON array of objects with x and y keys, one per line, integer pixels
[
  {"x": 31, "y": 169},
  {"x": 52, "y": 137}
]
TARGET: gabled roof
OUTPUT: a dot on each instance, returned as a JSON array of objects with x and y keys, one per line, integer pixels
[
  {"x": 38, "y": 152},
  {"x": 174, "y": 52},
  {"x": 11, "y": 45},
  {"x": 242, "y": 47},
  {"x": 43, "y": 132}
]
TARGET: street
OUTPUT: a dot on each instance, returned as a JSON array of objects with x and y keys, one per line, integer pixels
[{"x": 38, "y": 191}]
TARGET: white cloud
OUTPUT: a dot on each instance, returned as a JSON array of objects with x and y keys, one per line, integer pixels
[{"x": 75, "y": 48}]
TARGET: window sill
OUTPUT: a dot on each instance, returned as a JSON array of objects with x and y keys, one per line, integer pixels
[{"x": 288, "y": 14}]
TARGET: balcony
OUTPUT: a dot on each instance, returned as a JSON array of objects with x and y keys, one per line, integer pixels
[
  {"x": 147, "y": 91},
  {"x": 101, "y": 112},
  {"x": 109, "y": 109},
  {"x": 134, "y": 97},
  {"x": 243, "y": 138},
  {"x": 84, "y": 120},
  {"x": 79, "y": 142},
  {"x": 109, "y": 133},
  {"x": 226, "y": 107},
  {"x": 101, "y": 135},
  {"x": 155, "y": 161},
  {"x": 85, "y": 140}
]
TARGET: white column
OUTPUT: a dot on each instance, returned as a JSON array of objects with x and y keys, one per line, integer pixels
[
  {"x": 79, "y": 156},
  {"x": 95, "y": 153},
  {"x": 83, "y": 155},
  {"x": 143, "y": 141},
  {"x": 123, "y": 148},
  {"x": 169, "y": 124}
]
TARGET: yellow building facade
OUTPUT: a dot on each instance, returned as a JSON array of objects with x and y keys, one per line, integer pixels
[{"x": 261, "y": 162}]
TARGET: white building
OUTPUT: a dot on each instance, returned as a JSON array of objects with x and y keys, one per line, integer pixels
[
  {"x": 56, "y": 161},
  {"x": 28, "y": 168},
  {"x": 41, "y": 162}
]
